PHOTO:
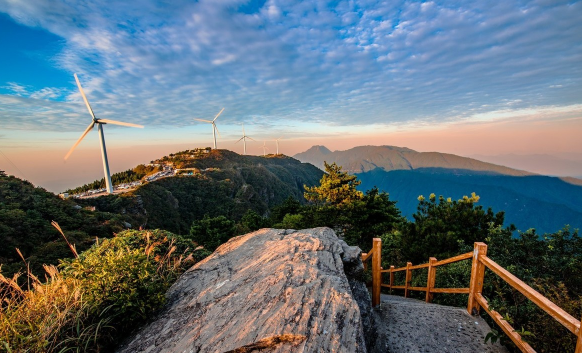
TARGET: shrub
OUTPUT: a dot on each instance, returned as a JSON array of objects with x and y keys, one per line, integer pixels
[{"x": 96, "y": 298}]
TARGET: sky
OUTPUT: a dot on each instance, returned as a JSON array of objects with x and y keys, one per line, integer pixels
[{"x": 463, "y": 77}]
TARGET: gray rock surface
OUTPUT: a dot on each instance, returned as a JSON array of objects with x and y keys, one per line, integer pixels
[
  {"x": 413, "y": 326},
  {"x": 269, "y": 291}
]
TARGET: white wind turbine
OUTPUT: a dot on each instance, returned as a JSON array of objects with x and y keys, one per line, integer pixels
[
  {"x": 214, "y": 128},
  {"x": 244, "y": 138},
  {"x": 265, "y": 148},
  {"x": 99, "y": 123},
  {"x": 277, "y": 141}
]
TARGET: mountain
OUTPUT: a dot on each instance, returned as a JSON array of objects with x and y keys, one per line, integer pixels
[
  {"x": 538, "y": 163},
  {"x": 26, "y": 213},
  {"x": 215, "y": 182},
  {"x": 366, "y": 158},
  {"x": 219, "y": 182},
  {"x": 529, "y": 200}
]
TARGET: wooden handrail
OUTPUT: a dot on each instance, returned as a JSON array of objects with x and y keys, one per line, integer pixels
[
  {"x": 505, "y": 326},
  {"x": 480, "y": 261},
  {"x": 544, "y": 303},
  {"x": 455, "y": 259}
]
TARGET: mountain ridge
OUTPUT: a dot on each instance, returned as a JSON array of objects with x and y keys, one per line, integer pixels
[
  {"x": 529, "y": 200},
  {"x": 365, "y": 158}
]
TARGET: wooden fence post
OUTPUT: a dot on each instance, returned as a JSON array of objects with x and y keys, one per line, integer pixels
[
  {"x": 391, "y": 277},
  {"x": 477, "y": 275},
  {"x": 430, "y": 279},
  {"x": 579, "y": 344},
  {"x": 376, "y": 268},
  {"x": 408, "y": 279}
]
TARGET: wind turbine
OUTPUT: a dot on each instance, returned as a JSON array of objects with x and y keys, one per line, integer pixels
[
  {"x": 277, "y": 141},
  {"x": 100, "y": 123},
  {"x": 244, "y": 138},
  {"x": 265, "y": 148},
  {"x": 214, "y": 128}
]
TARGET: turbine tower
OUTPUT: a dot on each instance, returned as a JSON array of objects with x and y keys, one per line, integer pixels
[
  {"x": 277, "y": 141},
  {"x": 244, "y": 138},
  {"x": 214, "y": 128},
  {"x": 265, "y": 148},
  {"x": 99, "y": 123}
]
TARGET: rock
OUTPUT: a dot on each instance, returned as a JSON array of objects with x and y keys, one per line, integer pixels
[
  {"x": 268, "y": 291},
  {"x": 354, "y": 270}
]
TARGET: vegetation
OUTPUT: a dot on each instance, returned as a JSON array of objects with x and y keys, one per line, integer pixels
[
  {"x": 127, "y": 176},
  {"x": 550, "y": 264},
  {"x": 26, "y": 213},
  {"x": 90, "y": 301},
  {"x": 93, "y": 300}
]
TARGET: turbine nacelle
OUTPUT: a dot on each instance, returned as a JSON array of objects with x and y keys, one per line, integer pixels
[{"x": 214, "y": 127}]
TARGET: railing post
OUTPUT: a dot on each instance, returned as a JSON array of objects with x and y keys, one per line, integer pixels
[
  {"x": 376, "y": 268},
  {"x": 579, "y": 344},
  {"x": 408, "y": 279},
  {"x": 430, "y": 279},
  {"x": 477, "y": 275},
  {"x": 391, "y": 277}
]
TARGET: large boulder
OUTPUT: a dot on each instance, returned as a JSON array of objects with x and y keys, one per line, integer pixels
[{"x": 269, "y": 291}]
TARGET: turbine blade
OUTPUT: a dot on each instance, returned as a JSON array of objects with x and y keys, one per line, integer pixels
[
  {"x": 206, "y": 121},
  {"x": 239, "y": 140},
  {"x": 216, "y": 127},
  {"x": 251, "y": 138},
  {"x": 218, "y": 114},
  {"x": 84, "y": 97},
  {"x": 115, "y": 122},
  {"x": 80, "y": 138}
]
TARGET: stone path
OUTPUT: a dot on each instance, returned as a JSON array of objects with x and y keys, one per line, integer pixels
[{"x": 413, "y": 326}]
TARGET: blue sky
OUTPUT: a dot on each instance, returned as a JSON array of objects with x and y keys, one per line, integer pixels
[{"x": 311, "y": 69}]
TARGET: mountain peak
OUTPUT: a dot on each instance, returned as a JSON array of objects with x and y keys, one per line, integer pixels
[{"x": 318, "y": 149}]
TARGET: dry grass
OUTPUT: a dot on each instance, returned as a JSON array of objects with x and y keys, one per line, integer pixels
[{"x": 51, "y": 317}]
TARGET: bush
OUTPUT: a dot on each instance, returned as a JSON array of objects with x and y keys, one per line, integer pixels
[{"x": 96, "y": 298}]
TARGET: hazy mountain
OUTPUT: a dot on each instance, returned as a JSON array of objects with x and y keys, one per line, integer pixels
[
  {"x": 365, "y": 158},
  {"x": 538, "y": 163},
  {"x": 529, "y": 200}
]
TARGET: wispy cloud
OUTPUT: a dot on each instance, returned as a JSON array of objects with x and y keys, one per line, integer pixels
[{"x": 338, "y": 63}]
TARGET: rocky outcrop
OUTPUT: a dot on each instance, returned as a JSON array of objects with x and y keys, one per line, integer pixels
[{"x": 268, "y": 291}]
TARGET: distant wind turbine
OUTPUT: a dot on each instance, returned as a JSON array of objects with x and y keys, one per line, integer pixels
[
  {"x": 214, "y": 128},
  {"x": 265, "y": 148},
  {"x": 277, "y": 141},
  {"x": 100, "y": 123},
  {"x": 244, "y": 138}
]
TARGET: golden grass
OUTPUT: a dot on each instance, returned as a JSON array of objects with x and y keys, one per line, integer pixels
[{"x": 51, "y": 317}]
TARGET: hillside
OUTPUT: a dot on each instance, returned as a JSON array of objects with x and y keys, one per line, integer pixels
[
  {"x": 219, "y": 182},
  {"x": 529, "y": 201},
  {"x": 26, "y": 213}
]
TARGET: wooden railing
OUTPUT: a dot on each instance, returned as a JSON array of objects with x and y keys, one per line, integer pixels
[{"x": 476, "y": 301}]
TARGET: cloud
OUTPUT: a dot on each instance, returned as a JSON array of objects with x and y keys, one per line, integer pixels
[{"x": 342, "y": 63}]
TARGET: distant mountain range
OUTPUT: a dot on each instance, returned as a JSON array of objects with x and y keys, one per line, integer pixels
[
  {"x": 538, "y": 163},
  {"x": 529, "y": 200}
]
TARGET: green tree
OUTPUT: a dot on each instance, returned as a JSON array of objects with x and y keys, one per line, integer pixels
[
  {"x": 442, "y": 227},
  {"x": 371, "y": 217},
  {"x": 250, "y": 222},
  {"x": 211, "y": 232},
  {"x": 337, "y": 188}
]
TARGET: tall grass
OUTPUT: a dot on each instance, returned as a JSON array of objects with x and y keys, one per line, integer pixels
[
  {"x": 91, "y": 302},
  {"x": 53, "y": 316}
]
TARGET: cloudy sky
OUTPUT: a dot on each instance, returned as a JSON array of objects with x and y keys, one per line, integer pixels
[{"x": 465, "y": 77}]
